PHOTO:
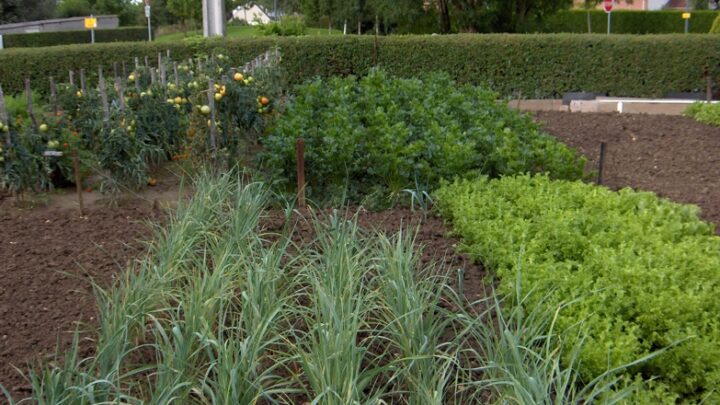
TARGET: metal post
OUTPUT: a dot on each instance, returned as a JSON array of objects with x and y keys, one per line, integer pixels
[
  {"x": 2, "y": 45},
  {"x": 92, "y": 33},
  {"x": 609, "y": 21},
  {"x": 147, "y": 15},
  {"x": 213, "y": 18},
  {"x": 687, "y": 20}
]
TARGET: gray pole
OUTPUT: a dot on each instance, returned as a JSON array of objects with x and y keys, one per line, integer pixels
[
  {"x": 213, "y": 18},
  {"x": 609, "y": 21},
  {"x": 687, "y": 20},
  {"x": 147, "y": 15},
  {"x": 92, "y": 33}
]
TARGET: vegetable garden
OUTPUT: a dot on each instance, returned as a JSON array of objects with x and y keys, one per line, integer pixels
[{"x": 580, "y": 305}]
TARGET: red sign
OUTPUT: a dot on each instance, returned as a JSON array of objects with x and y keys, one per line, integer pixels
[{"x": 608, "y": 5}]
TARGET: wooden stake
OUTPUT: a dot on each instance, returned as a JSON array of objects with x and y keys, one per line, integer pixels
[
  {"x": 120, "y": 92},
  {"x": 167, "y": 52},
  {"x": 137, "y": 81},
  {"x": 124, "y": 71},
  {"x": 28, "y": 90},
  {"x": 211, "y": 103},
  {"x": 601, "y": 163},
  {"x": 78, "y": 184},
  {"x": 137, "y": 63},
  {"x": 152, "y": 76},
  {"x": 300, "y": 155},
  {"x": 53, "y": 97},
  {"x": 72, "y": 78},
  {"x": 82, "y": 80},
  {"x": 146, "y": 61},
  {"x": 4, "y": 116},
  {"x": 115, "y": 70},
  {"x": 103, "y": 95},
  {"x": 177, "y": 78},
  {"x": 163, "y": 79}
]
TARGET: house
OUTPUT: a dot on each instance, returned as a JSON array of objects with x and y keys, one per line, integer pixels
[
  {"x": 252, "y": 14},
  {"x": 648, "y": 4}
]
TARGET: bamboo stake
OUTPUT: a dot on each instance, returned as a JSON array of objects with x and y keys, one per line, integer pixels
[
  {"x": 82, "y": 80},
  {"x": 78, "y": 182},
  {"x": 177, "y": 78},
  {"x": 120, "y": 92},
  {"x": 53, "y": 97},
  {"x": 4, "y": 117},
  {"x": 300, "y": 155},
  {"x": 103, "y": 95},
  {"x": 28, "y": 90},
  {"x": 211, "y": 103}
]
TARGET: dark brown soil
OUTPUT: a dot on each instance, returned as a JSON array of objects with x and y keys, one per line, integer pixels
[
  {"x": 47, "y": 259},
  {"x": 676, "y": 157}
]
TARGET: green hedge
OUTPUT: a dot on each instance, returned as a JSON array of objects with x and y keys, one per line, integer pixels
[
  {"x": 41, "y": 39},
  {"x": 538, "y": 65},
  {"x": 636, "y": 272},
  {"x": 625, "y": 22}
]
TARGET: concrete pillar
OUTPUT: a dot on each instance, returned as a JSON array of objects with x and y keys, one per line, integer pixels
[{"x": 213, "y": 18}]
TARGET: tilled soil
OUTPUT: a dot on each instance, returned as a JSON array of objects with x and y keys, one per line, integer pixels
[
  {"x": 41, "y": 306},
  {"x": 48, "y": 258},
  {"x": 676, "y": 157}
]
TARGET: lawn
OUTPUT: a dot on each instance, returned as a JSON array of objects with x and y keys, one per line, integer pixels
[{"x": 239, "y": 31}]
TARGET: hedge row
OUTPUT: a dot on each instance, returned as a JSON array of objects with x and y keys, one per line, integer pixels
[
  {"x": 625, "y": 22},
  {"x": 538, "y": 66},
  {"x": 40, "y": 39}
]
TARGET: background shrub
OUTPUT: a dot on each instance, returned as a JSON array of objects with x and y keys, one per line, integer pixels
[
  {"x": 705, "y": 113},
  {"x": 39, "y": 39},
  {"x": 643, "y": 271},
  {"x": 383, "y": 135},
  {"x": 286, "y": 27},
  {"x": 538, "y": 66}
]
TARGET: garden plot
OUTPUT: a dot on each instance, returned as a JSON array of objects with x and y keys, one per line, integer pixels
[{"x": 676, "y": 157}]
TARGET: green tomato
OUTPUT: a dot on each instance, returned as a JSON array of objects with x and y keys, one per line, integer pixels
[
  {"x": 205, "y": 109},
  {"x": 43, "y": 128}
]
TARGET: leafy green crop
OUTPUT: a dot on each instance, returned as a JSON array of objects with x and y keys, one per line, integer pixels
[
  {"x": 381, "y": 135},
  {"x": 705, "y": 113},
  {"x": 645, "y": 272}
]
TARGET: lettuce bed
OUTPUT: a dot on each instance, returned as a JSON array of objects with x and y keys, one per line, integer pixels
[{"x": 642, "y": 273}]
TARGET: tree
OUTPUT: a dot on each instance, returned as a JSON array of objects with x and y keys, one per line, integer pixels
[
  {"x": 74, "y": 8},
  {"x": 13, "y": 11},
  {"x": 503, "y": 15},
  {"x": 186, "y": 10}
]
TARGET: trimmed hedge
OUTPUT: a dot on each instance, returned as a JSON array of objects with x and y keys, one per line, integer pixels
[
  {"x": 538, "y": 65},
  {"x": 626, "y": 22},
  {"x": 40, "y": 39}
]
